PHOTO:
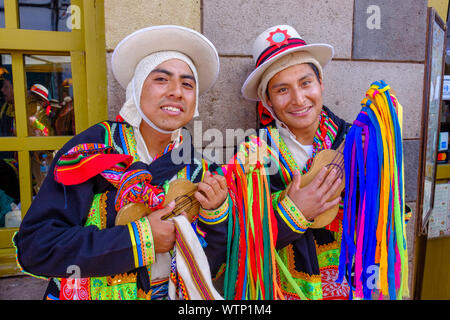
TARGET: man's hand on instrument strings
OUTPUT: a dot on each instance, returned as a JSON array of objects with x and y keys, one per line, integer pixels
[
  {"x": 212, "y": 191},
  {"x": 163, "y": 231},
  {"x": 316, "y": 197}
]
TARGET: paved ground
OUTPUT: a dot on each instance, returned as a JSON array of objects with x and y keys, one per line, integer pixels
[
  {"x": 22, "y": 288},
  {"x": 26, "y": 288}
]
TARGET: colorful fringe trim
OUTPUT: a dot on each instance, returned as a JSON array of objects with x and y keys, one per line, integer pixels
[
  {"x": 374, "y": 238},
  {"x": 40, "y": 126}
]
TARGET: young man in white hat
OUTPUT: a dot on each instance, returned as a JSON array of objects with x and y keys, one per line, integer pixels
[
  {"x": 40, "y": 122},
  {"x": 70, "y": 232},
  {"x": 288, "y": 81}
]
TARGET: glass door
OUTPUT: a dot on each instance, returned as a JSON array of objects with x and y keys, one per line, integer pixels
[{"x": 51, "y": 70}]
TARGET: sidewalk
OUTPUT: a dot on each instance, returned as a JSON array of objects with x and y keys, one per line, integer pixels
[{"x": 22, "y": 288}]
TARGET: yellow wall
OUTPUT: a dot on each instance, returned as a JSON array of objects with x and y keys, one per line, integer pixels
[
  {"x": 441, "y": 6},
  {"x": 436, "y": 280},
  {"x": 124, "y": 17}
]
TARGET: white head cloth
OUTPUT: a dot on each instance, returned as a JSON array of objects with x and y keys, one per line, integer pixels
[{"x": 131, "y": 110}]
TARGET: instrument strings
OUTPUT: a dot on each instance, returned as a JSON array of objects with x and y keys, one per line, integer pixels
[
  {"x": 338, "y": 160},
  {"x": 184, "y": 202}
]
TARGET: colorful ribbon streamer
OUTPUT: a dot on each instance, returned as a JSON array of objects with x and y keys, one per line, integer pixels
[
  {"x": 252, "y": 230},
  {"x": 374, "y": 236}
]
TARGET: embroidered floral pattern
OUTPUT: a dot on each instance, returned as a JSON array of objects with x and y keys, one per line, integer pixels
[
  {"x": 75, "y": 289},
  {"x": 100, "y": 290},
  {"x": 309, "y": 284},
  {"x": 331, "y": 290}
]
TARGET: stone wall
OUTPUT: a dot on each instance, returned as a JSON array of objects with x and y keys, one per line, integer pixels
[{"x": 125, "y": 17}]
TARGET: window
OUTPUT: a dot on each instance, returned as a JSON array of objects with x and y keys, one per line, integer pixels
[
  {"x": 49, "y": 97},
  {"x": 52, "y": 62},
  {"x": 2, "y": 13},
  {"x": 48, "y": 15}
]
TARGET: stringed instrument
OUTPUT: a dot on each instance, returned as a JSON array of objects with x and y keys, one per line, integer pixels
[
  {"x": 326, "y": 158},
  {"x": 180, "y": 190},
  {"x": 331, "y": 159}
]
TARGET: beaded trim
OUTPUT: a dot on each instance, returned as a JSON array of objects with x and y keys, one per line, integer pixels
[
  {"x": 142, "y": 241},
  {"x": 215, "y": 216},
  {"x": 292, "y": 216}
]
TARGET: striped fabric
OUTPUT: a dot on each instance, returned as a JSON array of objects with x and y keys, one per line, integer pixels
[
  {"x": 192, "y": 268},
  {"x": 142, "y": 241},
  {"x": 159, "y": 289},
  {"x": 216, "y": 216},
  {"x": 292, "y": 216}
]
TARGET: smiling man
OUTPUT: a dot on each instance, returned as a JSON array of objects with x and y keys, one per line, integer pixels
[
  {"x": 295, "y": 95},
  {"x": 71, "y": 232},
  {"x": 289, "y": 83}
]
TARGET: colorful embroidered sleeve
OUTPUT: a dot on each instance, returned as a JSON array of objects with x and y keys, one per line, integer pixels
[
  {"x": 142, "y": 242},
  {"x": 53, "y": 235},
  {"x": 290, "y": 214},
  {"x": 215, "y": 216}
]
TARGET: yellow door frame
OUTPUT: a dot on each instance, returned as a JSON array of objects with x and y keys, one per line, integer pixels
[{"x": 87, "y": 50}]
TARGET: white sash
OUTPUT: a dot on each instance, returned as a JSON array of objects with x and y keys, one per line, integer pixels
[{"x": 191, "y": 265}]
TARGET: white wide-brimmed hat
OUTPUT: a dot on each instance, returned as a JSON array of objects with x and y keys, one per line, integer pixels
[
  {"x": 141, "y": 43},
  {"x": 40, "y": 90},
  {"x": 275, "y": 43}
]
